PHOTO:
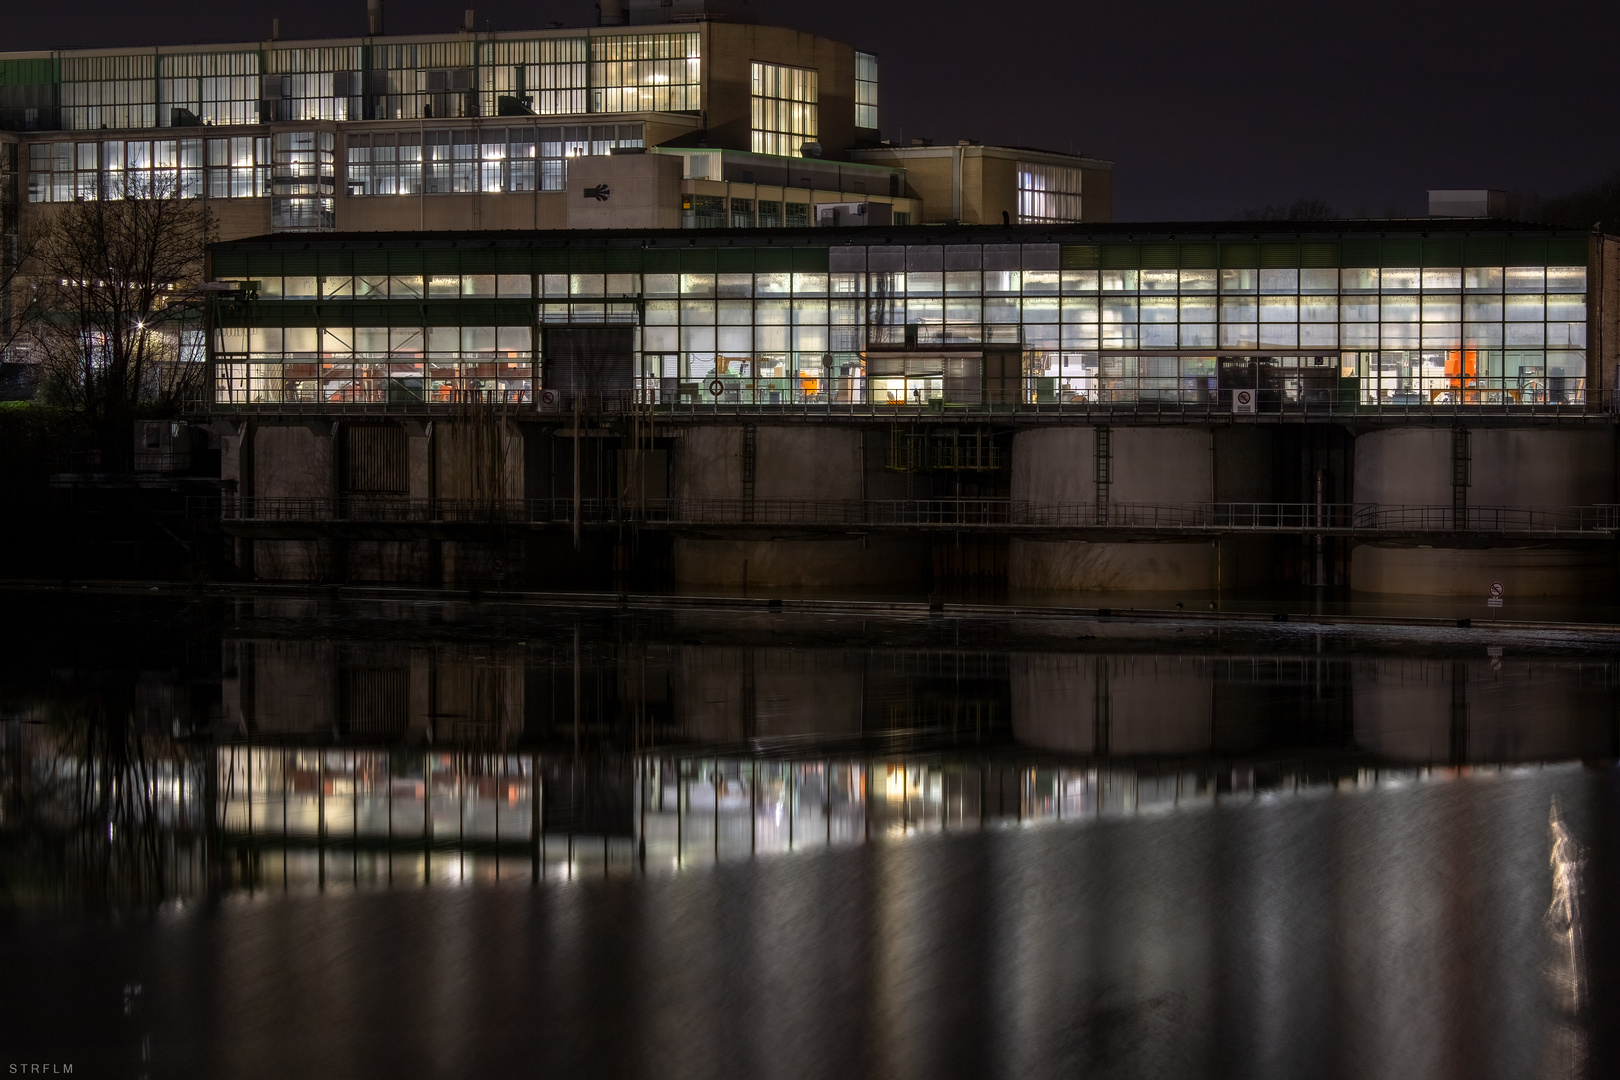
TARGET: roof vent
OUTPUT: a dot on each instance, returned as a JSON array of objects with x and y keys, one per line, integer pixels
[{"x": 1480, "y": 203}]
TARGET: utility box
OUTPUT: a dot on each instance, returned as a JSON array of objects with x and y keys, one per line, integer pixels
[
  {"x": 1457, "y": 203},
  {"x": 830, "y": 215}
]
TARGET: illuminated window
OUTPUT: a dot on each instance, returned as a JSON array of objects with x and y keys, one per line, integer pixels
[
  {"x": 1048, "y": 194},
  {"x": 866, "y": 91},
  {"x": 784, "y": 108},
  {"x": 314, "y": 84},
  {"x": 646, "y": 73},
  {"x": 115, "y": 169},
  {"x": 108, "y": 92},
  {"x": 303, "y": 181},
  {"x": 208, "y": 88},
  {"x": 238, "y": 167},
  {"x": 539, "y": 78},
  {"x": 487, "y": 159}
]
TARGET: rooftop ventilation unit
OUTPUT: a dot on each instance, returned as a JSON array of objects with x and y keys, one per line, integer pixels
[{"x": 1480, "y": 203}]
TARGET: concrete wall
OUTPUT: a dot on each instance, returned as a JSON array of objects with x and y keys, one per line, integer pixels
[
  {"x": 1079, "y": 566},
  {"x": 792, "y": 463},
  {"x": 989, "y": 181},
  {"x": 1537, "y": 467},
  {"x": 1526, "y": 572},
  {"x": 731, "y": 694},
  {"x": 1429, "y": 710},
  {"x": 1089, "y": 704},
  {"x": 729, "y": 49},
  {"x": 643, "y": 192},
  {"x": 1508, "y": 467},
  {"x": 292, "y": 461},
  {"x": 477, "y": 462},
  {"x": 1149, "y": 465}
]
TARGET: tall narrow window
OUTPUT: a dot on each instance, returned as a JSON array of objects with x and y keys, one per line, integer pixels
[
  {"x": 866, "y": 91},
  {"x": 785, "y": 104},
  {"x": 1048, "y": 194}
]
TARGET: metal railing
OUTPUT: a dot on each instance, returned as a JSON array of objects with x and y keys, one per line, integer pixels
[
  {"x": 1354, "y": 519},
  {"x": 1030, "y": 399}
]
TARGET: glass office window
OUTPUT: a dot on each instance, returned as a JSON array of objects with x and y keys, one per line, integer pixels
[
  {"x": 539, "y": 78},
  {"x": 1048, "y": 194},
  {"x": 488, "y": 159},
  {"x": 422, "y": 80},
  {"x": 314, "y": 84},
  {"x": 109, "y": 92},
  {"x": 1408, "y": 337},
  {"x": 208, "y": 88},
  {"x": 645, "y": 73},
  {"x": 785, "y": 108},
  {"x": 115, "y": 169},
  {"x": 866, "y": 91}
]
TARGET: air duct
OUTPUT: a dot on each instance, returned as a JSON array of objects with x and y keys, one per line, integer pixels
[{"x": 374, "y": 17}]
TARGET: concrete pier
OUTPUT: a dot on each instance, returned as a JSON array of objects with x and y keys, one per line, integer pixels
[{"x": 1477, "y": 472}]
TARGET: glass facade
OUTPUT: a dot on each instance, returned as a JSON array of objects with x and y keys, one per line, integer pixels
[
  {"x": 543, "y": 78},
  {"x": 116, "y": 168},
  {"x": 209, "y": 88},
  {"x": 303, "y": 181},
  {"x": 785, "y": 108},
  {"x": 914, "y": 324},
  {"x": 646, "y": 73},
  {"x": 866, "y": 91},
  {"x": 446, "y": 79},
  {"x": 313, "y": 84},
  {"x": 488, "y": 158},
  {"x": 1048, "y": 195}
]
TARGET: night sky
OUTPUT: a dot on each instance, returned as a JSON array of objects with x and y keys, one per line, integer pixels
[{"x": 1208, "y": 109}]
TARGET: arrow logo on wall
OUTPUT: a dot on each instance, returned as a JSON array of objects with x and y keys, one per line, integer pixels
[{"x": 600, "y": 193}]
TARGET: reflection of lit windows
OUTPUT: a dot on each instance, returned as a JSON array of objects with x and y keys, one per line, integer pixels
[
  {"x": 785, "y": 108},
  {"x": 1048, "y": 194},
  {"x": 866, "y": 91}
]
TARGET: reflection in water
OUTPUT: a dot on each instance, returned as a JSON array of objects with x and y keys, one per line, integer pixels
[
  {"x": 1566, "y": 970},
  {"x": 696, "y": 850}
]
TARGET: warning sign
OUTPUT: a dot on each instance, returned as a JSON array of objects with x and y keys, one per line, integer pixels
[{"x": 1243, "y": 402}]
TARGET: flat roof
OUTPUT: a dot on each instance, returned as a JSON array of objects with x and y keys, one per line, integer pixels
[{"x": 1115, "y": 232}]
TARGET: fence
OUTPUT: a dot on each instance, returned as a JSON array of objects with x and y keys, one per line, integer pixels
[{"x": 870, "y": 396}]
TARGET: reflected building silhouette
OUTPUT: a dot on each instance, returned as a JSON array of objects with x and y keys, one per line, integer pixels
[{"x": 459, "y": 752}]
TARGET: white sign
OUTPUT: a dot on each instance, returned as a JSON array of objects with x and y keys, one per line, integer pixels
[
  {"x": 1243, "y": 403},
  {"x": 1495, "y": 601}
]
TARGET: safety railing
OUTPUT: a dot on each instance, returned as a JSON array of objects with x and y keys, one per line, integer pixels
[
  {"x": 950, "y": 514},
  {"x": 874, "y": 397}
]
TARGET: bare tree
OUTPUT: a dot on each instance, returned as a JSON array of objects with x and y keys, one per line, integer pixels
[
  {"x": 1298, "y": 210},
  {"x": 16, "y": 248},
  {"x": 109, "y": 277}
]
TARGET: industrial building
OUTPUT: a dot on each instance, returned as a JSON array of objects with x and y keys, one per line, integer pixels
[
  {"x": 1400, "y": 407},
  {"x": 667, "y": 115}
]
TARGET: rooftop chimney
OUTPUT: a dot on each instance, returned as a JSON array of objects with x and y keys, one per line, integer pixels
[
  {"x": 467, "y": 19},
  {"x": 374, "y": 18},
  {"x": 275, "y": 29},
  {"x": 612, "y": 12}
]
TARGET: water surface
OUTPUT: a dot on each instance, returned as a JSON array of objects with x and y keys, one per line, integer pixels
[{"x": 279, "y": 838}]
